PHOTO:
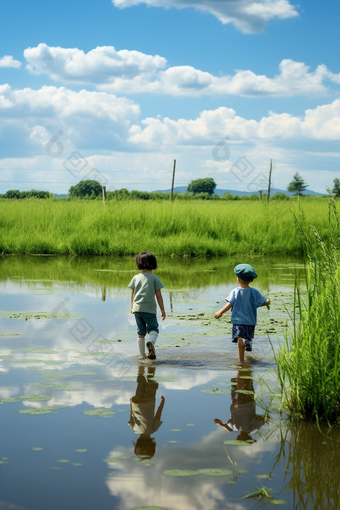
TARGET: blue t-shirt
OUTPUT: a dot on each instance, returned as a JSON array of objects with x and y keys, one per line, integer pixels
[{"x": 245, "y": 303}]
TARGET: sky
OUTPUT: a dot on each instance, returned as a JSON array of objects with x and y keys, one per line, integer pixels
[{"x": 116, "y": 90}]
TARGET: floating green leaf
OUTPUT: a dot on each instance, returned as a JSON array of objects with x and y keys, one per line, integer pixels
[
  {"x": 116, "y": 459},
  {"x": 190, "y": 425},
  {"x": 81, "y": 450},
  {"x": 63, "y": 460},
  {"x": 99, "y": 412},
  {"x": 37, "y": 449},
  {"x": 31, "y": 398},
  {"x": 39, "y": 350},
  {"x": 175, "y": 430},
  {"x": 53, "y": 386},
  {"x": 76, "y": 464},
  {"x": 207, "y": 472},
  {"x": 235, "y": 442},
  {"x": 216, "y": 391}
]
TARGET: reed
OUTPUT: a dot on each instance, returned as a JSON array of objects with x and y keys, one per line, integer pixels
[
  {"x": 309, "y": 361},
  {"x": 183, "y": 228}
]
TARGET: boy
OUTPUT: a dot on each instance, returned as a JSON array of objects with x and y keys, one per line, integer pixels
[
  {"x": 244, "y": 301},
  {"x": 145, "y": 287}
]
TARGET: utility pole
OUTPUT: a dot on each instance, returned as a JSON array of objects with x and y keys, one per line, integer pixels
[
  {"x": 173, "y": 181},
  {"x": 104, "y": 194},
  {"x": 260, "y": 194},
  {"x": 270, "y": 178}
]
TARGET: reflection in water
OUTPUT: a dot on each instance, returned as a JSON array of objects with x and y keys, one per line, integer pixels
[
  {"x": 243, "y": 407},
  {"x": 312, "y": 468},
  {"x": 143, "y": 419}
]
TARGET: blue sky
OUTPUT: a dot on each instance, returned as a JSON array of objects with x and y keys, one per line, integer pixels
[{"x": 134, "y": 84}]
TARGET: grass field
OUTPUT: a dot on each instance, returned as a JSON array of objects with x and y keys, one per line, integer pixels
[{"x": 195, "y": 228}]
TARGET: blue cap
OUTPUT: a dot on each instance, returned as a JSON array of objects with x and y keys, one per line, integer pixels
[{"x": 245, "y": 272}]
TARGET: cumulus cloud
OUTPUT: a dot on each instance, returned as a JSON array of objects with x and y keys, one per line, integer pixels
[
  {"x": 95, "y": 120},
  {"x": 132, "y": 72},
  {"x": 321, "y": 123},
  {"x": 8, "y": 61},
  {"x": 101, "y": 65},
  {"x": 246, "y": 15}
]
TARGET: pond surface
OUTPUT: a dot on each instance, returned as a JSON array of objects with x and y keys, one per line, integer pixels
[{"x": 85, "y": 425}]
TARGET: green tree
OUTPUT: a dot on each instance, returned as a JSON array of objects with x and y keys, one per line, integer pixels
[
  {"x": 206, "y": 185},
  {"x": 297, "y": 185},
  {"x": 336, "y": 187},
  {"x": 89, "y": 189}
]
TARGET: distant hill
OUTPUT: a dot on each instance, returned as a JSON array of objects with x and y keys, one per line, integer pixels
[
  {"x": 221, "y": 192},
  {"x": 57, "y": 195}
]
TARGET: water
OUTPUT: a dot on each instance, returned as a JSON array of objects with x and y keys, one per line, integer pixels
[{"x": 106, "y": 439}]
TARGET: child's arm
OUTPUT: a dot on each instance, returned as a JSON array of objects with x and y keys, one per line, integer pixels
[
  {"x": 223, "y": 310},
  {"x": 132, "y": 293},
  {"x": 160, "y": 409},
  {"x": 266, "y": 303},
  {"x": 159, "y": 298}
]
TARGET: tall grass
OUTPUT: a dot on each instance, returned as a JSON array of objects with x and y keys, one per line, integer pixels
[
  {"x": 309, "y": 361},
  {"x": 194, "y": 228}
]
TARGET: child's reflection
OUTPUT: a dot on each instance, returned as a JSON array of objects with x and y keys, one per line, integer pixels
[
  {"x": 243, "y": 407},
  {"x": 143, "y": 419}
]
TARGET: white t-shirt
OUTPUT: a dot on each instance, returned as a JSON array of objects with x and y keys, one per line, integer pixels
[{"x": 145, "y": 286}]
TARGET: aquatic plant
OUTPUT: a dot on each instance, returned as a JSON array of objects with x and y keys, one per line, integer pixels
[{"x": 308, "y": 362}]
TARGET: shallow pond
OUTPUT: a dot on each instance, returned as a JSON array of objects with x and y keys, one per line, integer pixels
[{"x": 83, "y": 424}]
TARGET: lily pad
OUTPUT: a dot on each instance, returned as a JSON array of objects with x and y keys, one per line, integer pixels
[
  {"x": 190, "y": 425},
  {"x": 63, "y": 460},
  {"x": 41, "y": 410},
  {"x": 216, "y": 391},
  {"x": 37, "y": 315},
  {"x": 53, "y": 386},
  {"x": 37, "y": 449},
  {"x": 12, "y": 334},
  {"x": 207, "y": 472},
  {"x": 99, "y": 412},
  {"x": 235, "y": 442},
  {"x": 116, "y": 459},
  {"x": 40, "y": 350},
  {"x": 245, "y": 392},
  {"x": 172, "y": 441},
  {"x": 175, "y": 430},
  {"x": 81, "y": 450},
  {"x": 45, "y": 362},
  {"x": 31, "y": 398},
  {"x": 76, "y": 464}
]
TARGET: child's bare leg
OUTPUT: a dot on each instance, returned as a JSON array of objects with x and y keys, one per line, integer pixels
[{"x": 241, "y": 347}]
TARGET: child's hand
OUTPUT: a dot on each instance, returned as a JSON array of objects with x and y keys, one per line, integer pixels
[
  {"x": 218, "y": 315},
  {"x": 132, "y": 311},
  {"x": 163, "y": 315}
]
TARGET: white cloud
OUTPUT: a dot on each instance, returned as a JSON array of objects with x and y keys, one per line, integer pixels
[
  {"x": 92, "y": 119},
  {"x": 322, "y": 123},
  {"x": 8, "y": 61},
  {"x": 246, "y": 15},
  {"x": 132, "y": 72},
  {"x": 102, "y": 65}
]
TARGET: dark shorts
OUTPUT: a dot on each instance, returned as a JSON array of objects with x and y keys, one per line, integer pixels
[
  {"x": 242, "y": 331},
  {"x": 146, "y": 322}
]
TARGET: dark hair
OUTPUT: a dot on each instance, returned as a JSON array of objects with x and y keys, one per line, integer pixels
[
  {"x": 145, "y": 447},
  {"x": 146, "y": 260}
]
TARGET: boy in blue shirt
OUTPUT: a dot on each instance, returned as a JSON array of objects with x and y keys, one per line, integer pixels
[{"x": 244, "y": 301}]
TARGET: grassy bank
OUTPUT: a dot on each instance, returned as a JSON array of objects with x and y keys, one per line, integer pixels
[
  {"x": 196, "y": 228},
  {"x": 309, "y": 361}
]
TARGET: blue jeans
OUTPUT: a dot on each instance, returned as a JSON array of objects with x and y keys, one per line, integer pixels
[{"x": 146, "y": 322}]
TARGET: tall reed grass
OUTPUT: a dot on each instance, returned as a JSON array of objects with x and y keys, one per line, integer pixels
[
  {"x": 309, "y": 361},
  {"x": 193, "y": 228}
]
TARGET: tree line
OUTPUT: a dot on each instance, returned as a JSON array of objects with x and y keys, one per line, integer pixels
[{"x": 203, "y": 189}]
